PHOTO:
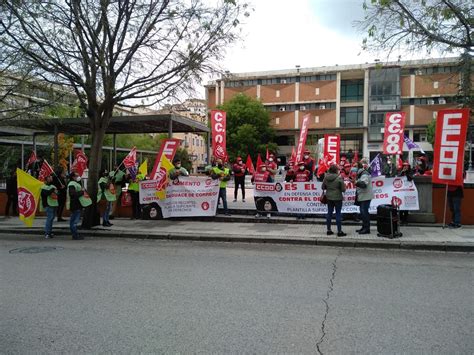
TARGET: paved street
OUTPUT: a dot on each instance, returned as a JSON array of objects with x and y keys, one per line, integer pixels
[{"x": 129, "y": 296}]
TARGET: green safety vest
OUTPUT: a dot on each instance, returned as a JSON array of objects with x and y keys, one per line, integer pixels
[
  {"x": 134, "y": 186},
  {"x": 108, "y": 194},
  {"x": 218, "y": 171},
  {"x": 52, "y": 200},
  {"x": 84, "y": 200}
]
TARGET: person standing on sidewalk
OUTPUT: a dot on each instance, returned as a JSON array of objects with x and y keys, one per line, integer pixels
[
  {"x": 134, "y": 188},
  {"x": 406, "y": 171},
  {"x": 334, "y": 186},
  {"x": 77, "y": 199},
  {"x": 272, "y": 167},
  {"x": 49, "y": 202},
  {"x": 177, "y": 170},
  {"x": 301, "y": 175},
  {"x": 106, "y": 191},
  {"x": 308, "y": 163},
  {"x": 118, "y": 178},
  {"x": 12, "y": 195},
  {"x": 239, "y": 178},
  {"x": 59, "y": 180},
  {"x": 223, "y": 174},
  {"x": 261, "y": 175},
  {"x": 455, "y": 196},
  {"x": 364, "y": 194}
]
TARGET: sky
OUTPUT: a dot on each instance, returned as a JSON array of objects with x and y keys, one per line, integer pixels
[{"x": 280, "y": 34}]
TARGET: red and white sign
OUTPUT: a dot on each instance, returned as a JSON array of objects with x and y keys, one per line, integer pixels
[
  {"x": 218, "y": 125},
  {"x": 332, "y": 147},
  {"x": 45, "y": 171},
  {"x": 302, "y": 141},
  {"x": 393, "y": 133},
  {"x": 131, "y": 158},
  {"x": 450, "y": 137},
  {"x": 168, "y": 148}
]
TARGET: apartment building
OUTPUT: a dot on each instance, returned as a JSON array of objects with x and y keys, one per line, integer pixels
[{"x": 349, "y": 100}]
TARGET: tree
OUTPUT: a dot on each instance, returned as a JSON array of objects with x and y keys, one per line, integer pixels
[
  {"x": 443, "y": 25},
  {"x": 131, "y": 52},
  {"x": 248, "y": 127}
]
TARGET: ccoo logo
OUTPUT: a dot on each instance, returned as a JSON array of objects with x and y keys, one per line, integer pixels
[{"x": 26, "y": 202}]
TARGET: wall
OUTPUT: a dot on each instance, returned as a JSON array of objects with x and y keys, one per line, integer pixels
[{"x": 467, "y": 213}]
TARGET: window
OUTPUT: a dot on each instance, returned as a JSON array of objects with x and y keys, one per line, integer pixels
[
  {"x": 352, "y": 90},
  {"x": 419, "y": 135},
  {"x": 285, "y": 140},
  {"x": 310, "y": 78},
  {"x": 352, "y": 116}
]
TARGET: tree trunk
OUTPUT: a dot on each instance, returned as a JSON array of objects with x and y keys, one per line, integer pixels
[{"x": 91, "y": 216}]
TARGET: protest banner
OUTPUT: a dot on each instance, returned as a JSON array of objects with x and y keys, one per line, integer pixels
[
  {"x": 332, "y": 147},
  {"x": 168, "y": 148},
  {"x": 302, "y": 140},
  {"x": 393, "y": 133},
  {"x": 187, "y": 196},
  {"x": 218, "y": 126},
  {"x": 304, "y": 197}
]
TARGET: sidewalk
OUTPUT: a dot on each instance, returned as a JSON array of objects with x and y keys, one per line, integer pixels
[{"x": 429, "y": 237}]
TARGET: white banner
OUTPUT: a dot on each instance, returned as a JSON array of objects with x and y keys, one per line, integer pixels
[
  {"x": 187, "y": 196},
  {"x": 303, "y": 197}
]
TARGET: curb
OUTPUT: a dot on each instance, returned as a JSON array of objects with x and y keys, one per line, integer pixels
[{"x": 315, "y": 241}]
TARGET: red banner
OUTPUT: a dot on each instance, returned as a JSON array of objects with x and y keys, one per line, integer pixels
[
  {"x": 393, "y": 137},
  {"x": 332, "y": 147},
  {"x": 80, "y": 162},
  {"x": 302, "y": 140},
  {"x": 450, "y": 137},
  {"x": 168, "y": 148},
  {"x": 218, "y": 125}
]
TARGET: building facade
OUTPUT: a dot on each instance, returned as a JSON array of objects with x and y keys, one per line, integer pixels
[{"x": 349, "y": 100}]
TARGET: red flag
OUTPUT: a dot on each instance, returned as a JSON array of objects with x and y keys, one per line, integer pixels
[
  {"x": 293, "y": 155},
  {"x": 131, "y": 158},
  {"x": 399, "y": 162},
  {"x": 448, "y": 152},
  {"x": 168, "y": 149},
  {"x": 218, "y": 127},
  {"x": 32, "y": 158},
  {"x": 393, "y": 138},
  {"x": 80, "y": 162},
  {"x": 356, "y": 157},
  {"x": 259, "y": 161},
  {"x": 267, "y": 156},
  {"x": 323, "y": 166},
  {"x": 45, "y": 171},
  {"x": 249, "y": 165}
]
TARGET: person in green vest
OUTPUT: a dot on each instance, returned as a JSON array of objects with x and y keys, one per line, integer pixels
[
  {"x": 118, "y": 178},
  {"x": 223, "y": 174},
  {"x": 134, "y": 188},
  {"x": 49, "y": 203},
  {"x": 77, "y": 199},
  {"x": 177, "y": 170},
  {"x": 106, "y": 192}
]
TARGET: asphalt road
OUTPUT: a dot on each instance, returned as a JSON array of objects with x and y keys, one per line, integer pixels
[{"x": 129, "y": 296}]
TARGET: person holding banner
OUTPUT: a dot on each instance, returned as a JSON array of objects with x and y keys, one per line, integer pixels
[
  {"x": 223, "y": 174},
  {"x": 177, "y": 170},
  {"x": 272, "y": 167},
  {"x": 49, "y": 203},
  {"x": 239, "y": 170},
  {"x": 117, "y": 177},
  {"x": 308, "y": 163},
  {"x": 77, "y": 200},
  {"x": 261, "y": 175},
  {"x": 335, "y": 187},
  {"x": 406, "y": 171},
  {"x": 59, "y": 180},
  {"x": 106, "y": 191},
  {"x": 364, "y": 194}
]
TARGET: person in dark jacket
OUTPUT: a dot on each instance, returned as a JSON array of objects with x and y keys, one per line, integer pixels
[
  {"x": 455, "y": 196},
  {"x": 364, "y": 194},
  {"x": 78, "y": 199},
  {"x": 406, "y": 171},
  {"x": 12, "y": 195},
  {"x": 49, "y": 202},
  {"x": 59, "y": 181},
  {"x": 334, "y": 186},
  {"x": 390, "y": 168}
]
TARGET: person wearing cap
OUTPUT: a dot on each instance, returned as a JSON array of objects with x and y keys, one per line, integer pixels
[
  {"x": 364, "y": 194},
  {"x": 308, "y": 163},
  {"x": 239, "y": 171},
  {"x": 335, "y": 187},
  {"x": 77, "y": 199},
  {"x": 223, "y": 174},
  {"x": 106, "y": 191},
  {"x": 290, "y": 171},
  {"x": 301, "y": 175},
  {"x": 261, "y": 175},
  {"x": 405, "y": 171},
  {"x": 177, "y": 170},
  {"x": 117, "y": 177},
  {"x": 346, "y": 171},
  {"x": 49, "y": 203},
  {"x": 272, "y": 167}
]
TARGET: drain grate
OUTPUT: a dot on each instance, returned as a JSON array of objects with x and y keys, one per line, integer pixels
[{"x": 34, "y": 250}]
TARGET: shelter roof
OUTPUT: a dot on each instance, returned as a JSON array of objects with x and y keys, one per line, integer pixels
[{"x": 153, "y": 123}]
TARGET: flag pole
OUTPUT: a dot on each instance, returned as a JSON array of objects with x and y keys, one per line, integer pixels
[{"x": 445, "y": 203}]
